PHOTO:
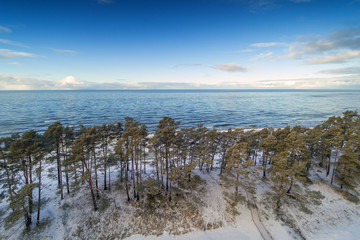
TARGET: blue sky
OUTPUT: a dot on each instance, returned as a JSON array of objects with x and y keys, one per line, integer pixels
[{"x": 143, "y": 44}]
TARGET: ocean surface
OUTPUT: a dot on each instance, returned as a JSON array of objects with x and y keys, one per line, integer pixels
[{"x": 24, "y": 110}]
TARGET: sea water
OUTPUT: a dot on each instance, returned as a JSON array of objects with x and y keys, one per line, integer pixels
[{"x": 24, "y": 110}]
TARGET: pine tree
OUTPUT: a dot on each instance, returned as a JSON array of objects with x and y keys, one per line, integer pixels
[
  {"x": 8, "y": 170},
  {"x": 336, "y": 143},
  {"x": 212, "y": 137},
  {"x": 107, "y": 133},
  {"x": 253, "y": 139},
  {"x": 91, "y": 139},
  {"x": 348, "y": 167},
  {"x": 226, "y": 140},
  {"x": 69, "y": 137},
  {"x": 268, "y": 145},
  {"x": 238, "y": 160},
  {"x": 24, "y": 154},
  {"x": 80, "y": 161},
  {"x": 279, "y": 175},
  {"x": 54, "y": 136},
  {"x": 122, "y": 151},
  {"x": 166, "y": 135},
  {"x": 298, "y": 157},
  {"x": 132, "y": 142}
]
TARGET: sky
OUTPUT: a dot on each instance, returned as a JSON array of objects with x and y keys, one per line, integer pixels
[{"x": 179, "y": 44}]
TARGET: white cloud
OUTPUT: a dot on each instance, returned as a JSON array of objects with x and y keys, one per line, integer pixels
[
  {"x": 292, "y": 55},
  {"x": 6, "y": 53},
  {"x": 16, "y": 63},
  {"x": 266, "y": 44},
  {"x": 335, "y": 58},
  {"x": 264, "y": 55},
  {"x": 4, "y": 29},
  {"x": 23, "y": 82},
  {"x": 309, "y": 83},
  {"x": 64, "y": 51},
  {"x": 342, "y": 71},
  {"x": 69, "y": 82},
  {"x": 230, "y": 67},
  {"x": 339, "y": 41},
  {"x": 12, "y": 43}
]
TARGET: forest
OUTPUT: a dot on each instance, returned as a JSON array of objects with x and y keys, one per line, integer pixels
[{"x": 162, "y": 163}]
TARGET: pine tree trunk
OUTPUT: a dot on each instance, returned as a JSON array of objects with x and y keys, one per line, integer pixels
[
  {"x": 67, "y": 180},
  {"x": 291, "y": 184},
  {"x": 144, "y": 160},
  {"x": 83, "y": 171},
  {"x": 61, "y": 186},
  {"x": 140, "y": 165},
  {"x": 263, "y": 155},
  {"x": 127, "y": 191},
  {"x": 279, "y": 192},
  {"x": 75, "y": 175},
  {"x": 255, "y": 157},
  {"x": 264, "y": 173},
  {"x": 121, "y": 170},
  {"x": 189, "y": 174},
  {"x": 109, "y": 186},
  {"x": 334, "y": 168},
  {"x": 105, "y": 159},
  {"x": 328, "y": 166},
  {"x": 39, "y": 199},
  {"x": 157, "y": 165},
  {"x": 105, "y": 187},
  {"x": 26, "y": 210},
  {"x": 237, "y": 184},
  {"x": 222, "y": 165},
  {"x": 162, "y": 175},
  {"x": 133, "y": 171},
  {"x": 66, "y": 172},
  {"x": 58, "y": 162},
  {"x": 126, "y": 185},
  {"x": 212, "y": 161},
  {"x": 27, "y": 220},
  {"x": 91, "y": 188},
  {"x": 30, "y": 193},
  {"x": 170, "y": 192},
  {"x": 8, "y": 178},
  {"x": 92, "y": 195},
  {"x": 167, "y": 168},
  {"x": 96, "y": 177},
  {"x": 137, "y": 174}
]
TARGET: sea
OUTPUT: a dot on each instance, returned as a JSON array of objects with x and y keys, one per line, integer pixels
[{"x": 21, "y": 111}]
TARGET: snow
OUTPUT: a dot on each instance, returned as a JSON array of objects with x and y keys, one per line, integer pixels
[
  {"x": 227, "y": 233},
  {"x": 334, "y": 218},
  {"x": 214, "y": 210}
]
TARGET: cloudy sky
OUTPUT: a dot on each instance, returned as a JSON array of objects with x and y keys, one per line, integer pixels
[{"x": 205, "y": 44}]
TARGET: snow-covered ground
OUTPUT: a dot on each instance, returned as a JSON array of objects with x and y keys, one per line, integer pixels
[
  {"x": 327, "y": 214},
  {"x": 220, "y": 233},
  {"x": 214, "y": 209},
  {"x": 324, "y": 214}
]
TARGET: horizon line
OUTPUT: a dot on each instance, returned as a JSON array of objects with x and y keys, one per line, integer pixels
[{"x": 187, "y": 89}]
